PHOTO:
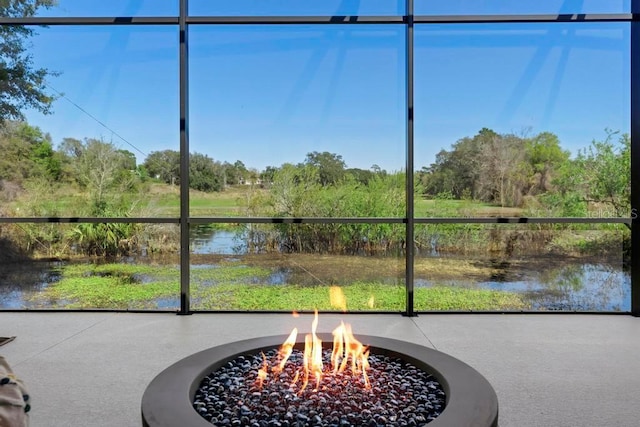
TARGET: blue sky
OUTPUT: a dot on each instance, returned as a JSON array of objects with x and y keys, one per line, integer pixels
[
  {"x": 328, "y": 7},
  {"x": 269, "y": 95}
]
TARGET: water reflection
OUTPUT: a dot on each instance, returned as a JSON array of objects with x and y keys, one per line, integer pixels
[
  {"x": 565, "y": 284},
  {"x": 572, "y": 287},
  {"x": 207, "y": 240},
  {"x": 20, "y": 281},
  {"x": 584, "y": 287}
]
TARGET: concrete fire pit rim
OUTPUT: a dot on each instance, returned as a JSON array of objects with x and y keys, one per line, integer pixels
[{"x": 471, "y": 400}]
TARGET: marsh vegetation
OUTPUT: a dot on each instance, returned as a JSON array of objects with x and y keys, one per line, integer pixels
[{"x": 92, "y": 178}]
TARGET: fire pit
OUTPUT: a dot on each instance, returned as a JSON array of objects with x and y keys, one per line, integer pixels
[{"x": 470, "y": 399}]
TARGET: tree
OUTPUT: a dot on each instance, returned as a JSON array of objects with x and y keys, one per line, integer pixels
[
  {"x": 267, "y": 175},
  {"x": 69, "y": 151},
  {"x": 500, "y": 159},
  {"x": 362, "y": 176},
  {"x": 205, "y": 174},
  {"x": 26, "y": 152},
  {"x": 235, "y": 173},
  {"x": 164, "y": 165},
  {"x": 545, "y": 156},
  {"x": 487, "y": 167},
  {"x": 71, "y": 147},
  {"x": 97, "y": 171},
  {"x": 330, "y": 166},
  {"x": 22, "y": 85},
  {"x": 609, "y": 173},
  {"x": 48, "y": 164},
  {"x": 128, "y": 160},
  {"x": 456, "y": 172},
  {"x": 294, "y": 190}
]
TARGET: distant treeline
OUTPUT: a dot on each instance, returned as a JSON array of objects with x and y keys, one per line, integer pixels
[{"x": 533, "y": 174}]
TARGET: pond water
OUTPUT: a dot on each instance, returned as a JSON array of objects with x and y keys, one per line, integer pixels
[
  {"x": 573, "y": 285},
  {"x": 579, "y": 287},
  {"x": 18, "y": 282},
  {"x": 207, "y": 241}
]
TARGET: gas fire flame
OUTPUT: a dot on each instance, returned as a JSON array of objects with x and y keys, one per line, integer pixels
[
  {"x": 347, "y": 352},
  {"x": 345, "y": 347}
]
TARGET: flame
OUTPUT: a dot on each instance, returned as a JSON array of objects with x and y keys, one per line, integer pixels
[
  {"x": 312, "y": 362},
  {"x": 262, "y": 372},
  {"x": 337, "y": 298},
  {"x": 347, "y": 351},
  {"x": 371, "y": 301},
  {"x": 346, "y": 347},
  {"x": 285, "y": 351}
]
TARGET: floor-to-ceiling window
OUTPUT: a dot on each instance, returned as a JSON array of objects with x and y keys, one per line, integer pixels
[{"x": 386, "y": 156}]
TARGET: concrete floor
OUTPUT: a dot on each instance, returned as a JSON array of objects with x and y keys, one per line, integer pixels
[{"x": 91, "y": 369}]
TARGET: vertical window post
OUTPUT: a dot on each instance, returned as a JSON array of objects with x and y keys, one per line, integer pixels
[
  {"x": 184, "y": 161},
  {"x": 410, "y": 212},
  {"x": 635, "y": 158}
]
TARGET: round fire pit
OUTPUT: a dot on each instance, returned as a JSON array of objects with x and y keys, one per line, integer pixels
[{"x": 470, "y": 399}]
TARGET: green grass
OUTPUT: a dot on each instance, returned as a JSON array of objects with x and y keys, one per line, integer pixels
[
  {"x": 154, "y": 199},
  {"x": 225, "y": 203},
  {"x": 460, "y": 208},
  {"x": 228, "y": 273},
  {"x": 116, "y": 286},
  {"x": 447, "y": 298},
  {"x": 358, "y": 296},
  {"x": 228, "y": 287}
]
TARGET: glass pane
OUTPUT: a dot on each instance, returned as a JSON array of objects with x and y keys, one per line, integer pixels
[
  {"x": 294, "y": 267},
  {"x": 116, "y": 91},
  {"x": 507, "y": 267},
  {"x": 297, "y": 121},
  {"x": 296, "y": 8},
  {"x": 74, "y": 8},
  {"x": 87, "y": 266},
  {"x": 508, "y": 7},
  {"x": 522, "y": 120}
]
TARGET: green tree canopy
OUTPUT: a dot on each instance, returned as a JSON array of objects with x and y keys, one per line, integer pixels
[
  {"x": 267, "y": 174},
  {"x": 164, "y": 165},
  {"x": 545, "y": 156},
  {"x": 22, "y": 84},
  {"x": 204, "y": 173},
  {"x": 608, "y": 172},
  {"x": 26, "y": 152},
  {"x": 330, "y": 166}
]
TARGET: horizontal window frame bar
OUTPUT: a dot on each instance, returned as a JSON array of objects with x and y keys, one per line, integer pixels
[
  {"x": 86, "y": 220},
  {"x": 174, "y": 311},
  {"x": 315, "y": 220},
  {"x": 522, "y": 220},
  {"x": 296, "y": 220},
  {"x": 516, "y": 19},
  {"x": 296, "y": 20},
  {"x": 89, "y": 20},
  {"x": 337, "y": 19}
]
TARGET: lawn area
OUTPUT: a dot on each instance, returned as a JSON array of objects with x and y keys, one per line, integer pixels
[
  {"x": 460, "y": 208},
  {"x": 231, "y": 285},
  {"x": 230, "y": 202}
]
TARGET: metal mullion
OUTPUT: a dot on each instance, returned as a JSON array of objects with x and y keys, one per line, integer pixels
[
  {"x": 293, "y": 20},
  {"x": 380, "y": 220},
  {"x": 93, "y": 220},
  {"x": 343, "y": 19},
  {"x": 85, "y": 20},
  {"x": 319, "y": 220},
  {"x": 184, "y": 163},
  {"x": 410, "y": 210},
  {"x": 521, "y": 220},
  {"x": 293, "y": 220},
  {"x": 519, "y": 19},
  {"x": 635, "y": 159}
]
